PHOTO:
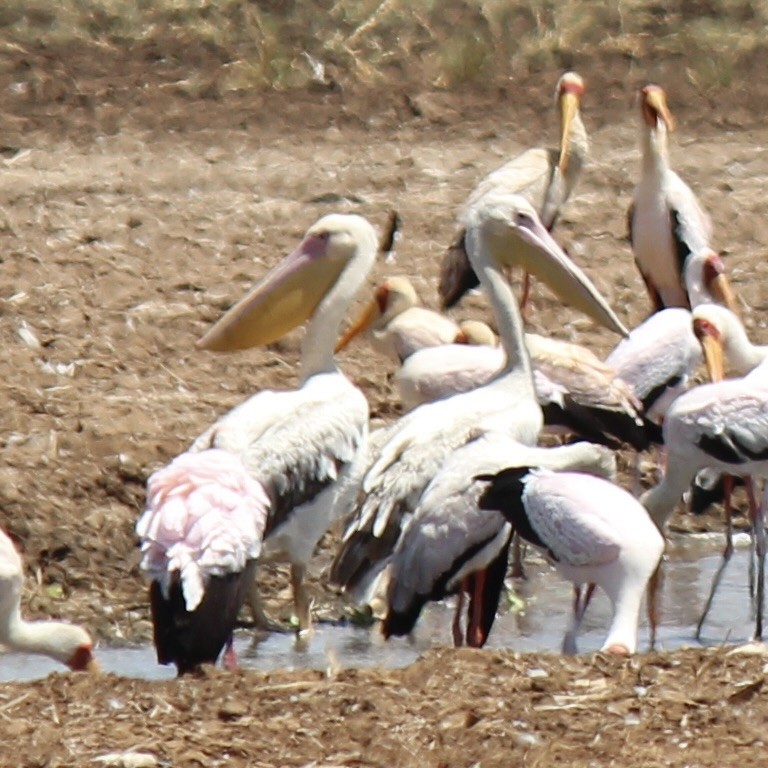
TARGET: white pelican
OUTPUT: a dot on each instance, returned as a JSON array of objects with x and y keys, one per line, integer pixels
[
  {"x": 722, "y": 426},
  {"x": 545, "y": 177},
  {"x": 502, "y": 231},
  {"x": 67, "y": 643},
  {"x": 299, "y": 446},
  {"x": 399, "y": 325},
  {"x": 594, "y": 533},
  {"x": 666, "y": 221}
]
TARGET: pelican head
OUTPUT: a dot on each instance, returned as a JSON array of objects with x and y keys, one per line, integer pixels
[
  {"x": 292, "y": 291},
  {"x": 390, "y": 299},
  {"x": 653, "y": 106},
  {"x": 513, "y": 235},
  {"x": 477, "y": 333},
  {"x": 568, "y": 93},
  {"x": 706, "y": 281}
]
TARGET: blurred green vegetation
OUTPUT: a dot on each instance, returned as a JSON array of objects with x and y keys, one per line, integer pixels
[{"x": 446, "y": 43}]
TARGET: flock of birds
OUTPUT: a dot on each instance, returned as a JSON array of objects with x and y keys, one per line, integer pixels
[{"x": 436, "y": 502}]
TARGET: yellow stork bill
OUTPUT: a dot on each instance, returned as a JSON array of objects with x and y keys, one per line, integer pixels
[
  {"x": 66, "y": 643},
  {"x": 666, "y": 222},
  {"x": 724, "y": 339},
  {"x": 545, "y": 177},
  {"x": 399, "y": 325},
  {"x": 502, "y": 231},
  {"x": 452, "y": 545},
  {"x": 288, "y": 455}
]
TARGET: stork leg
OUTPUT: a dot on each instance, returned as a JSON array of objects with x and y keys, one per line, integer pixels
[
  {"x": 654, "y": 587},
  {"x": 757, "y": 518},
  {"x": 475, "y": 635},
  {"x": 753, "y": 504},
  {"x": 579, "y": 609},
  {"x": 727, "y": 552},
  {"x": 301, "y": 601},
  {"x": 458, "y": 635},
  {"x": 517, "y": 571}
]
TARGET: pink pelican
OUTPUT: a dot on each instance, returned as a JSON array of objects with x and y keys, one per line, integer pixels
[{"x": 269, "y": 477}]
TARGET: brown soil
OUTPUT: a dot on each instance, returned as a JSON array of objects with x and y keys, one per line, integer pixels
[{"x": 131, "y": 214}]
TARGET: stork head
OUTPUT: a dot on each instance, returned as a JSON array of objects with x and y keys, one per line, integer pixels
[
  {"x": 653, "y": 107},
  {"x": 477, "y": 333},
  {"x": 706, "y": 280},
  {"x": 570, "y": 89},
  {"x": 393, "y": 297}
]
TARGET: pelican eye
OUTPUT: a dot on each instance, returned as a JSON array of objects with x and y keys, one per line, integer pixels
[{"x": 523, "y": 219}]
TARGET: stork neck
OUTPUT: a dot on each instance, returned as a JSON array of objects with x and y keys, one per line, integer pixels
[
  {"x": 31, "y": 636},
  {"x": 655, "y": 148},
  {"x": 742, "y": 354},
  {"x": 579, "y": 145},
  {"x": 661, "y": 500}
]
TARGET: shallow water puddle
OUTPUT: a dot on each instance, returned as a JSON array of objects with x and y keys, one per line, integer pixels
[{"x": 538, "y": 626}]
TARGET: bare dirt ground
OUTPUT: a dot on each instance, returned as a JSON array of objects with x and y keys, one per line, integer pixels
[{"x": 131, "y": 215}]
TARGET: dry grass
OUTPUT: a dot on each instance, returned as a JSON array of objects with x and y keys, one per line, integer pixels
[{"x": 283, "y": 44}]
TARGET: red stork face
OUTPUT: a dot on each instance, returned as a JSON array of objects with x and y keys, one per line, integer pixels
[
  {"x": 653, "y": 105},
  {"x": 392, "y": 297}
]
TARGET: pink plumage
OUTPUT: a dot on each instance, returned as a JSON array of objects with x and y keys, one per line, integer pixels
[{"x": 205, "y": 517}]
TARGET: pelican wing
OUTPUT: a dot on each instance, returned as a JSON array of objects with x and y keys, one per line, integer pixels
[
  {"x": 247, "y": 422},
  {"x": 303, "y": 453}
]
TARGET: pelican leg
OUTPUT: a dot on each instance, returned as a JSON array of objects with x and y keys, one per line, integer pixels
[
  {"x": 727, "y": 552},
  {"x": 301, "y": 601},
  {"x": 261, "y": 621},
  {"x": 229, "y": 659},
  {"x": 458, "y": 635}
]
